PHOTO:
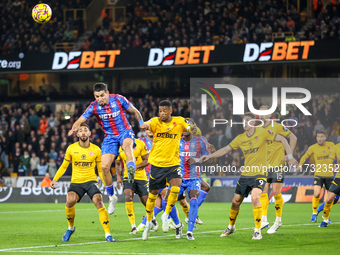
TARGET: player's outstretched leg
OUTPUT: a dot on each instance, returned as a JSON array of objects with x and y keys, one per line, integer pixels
[
  {"x": 257, "y": 211},
  {"x": 173, "y": 196},
  {"x": 70, "y": 214},
  {"x": 264, "y": 203},
  {"x": 315, "y": 204},
  {"x": 234, "y": 210},
  {"x": 278, "y": 212},
  {"x": 97, "y": 200},
  {"x": 192, "y": 217},
  {"x": 150, "y": 204},
  {"x": 70, "y": 211},
  {"x": 113, "y": 199},
  {"x": 205, "y": 188}
]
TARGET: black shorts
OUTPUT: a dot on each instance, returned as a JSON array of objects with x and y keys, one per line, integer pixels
[
  {"x": 140, "y": 187},
  {"x": 320, "y": 181},
  {"x": 275, "y": 176},
  {"x": 160, "y": 175},
  {"x": 335, "y": 186},
  {"x": 246, "y": 183},
  {"x": 91, "y": 188},
  {"x": 181, "y": 196}
]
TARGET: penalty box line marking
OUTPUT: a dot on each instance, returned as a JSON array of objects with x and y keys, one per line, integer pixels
[{"x": 138, "y": 238}]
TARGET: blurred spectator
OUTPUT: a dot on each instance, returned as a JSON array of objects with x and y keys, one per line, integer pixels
[
  {"x": 52, "y": 167},
  {"x": 22, "y": 170},
  {"x": 34, "y": 161},
  {"x": 52, "y": 122},
  {"x": 42, "y": 167},
  {"x": 53, "y": 155},
  {"x": 333, "y": 137},
  {"x": 16, "y": 159},
  {"x": 33, "y": 119},
  {"x": 46, "y": 182},
  {"x": 26, "y": 160},
  {"x": 43, "y": 124},
  {"x": 4, "y": 151}
]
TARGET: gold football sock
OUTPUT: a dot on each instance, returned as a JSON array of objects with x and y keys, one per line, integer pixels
[
  {"x": 257, "y": 216},
  {"x": 130, "y": 210},
  {"x": 315, "y": 204},
  {"x": 278, "y": 205},
  {"x": 104, "y": 219},
  {"x": 186, "y": 211},
  {"x": 264, "y": 203},
  {"x": 172, "y": 199},
  {"x": 232, "y": 216},
  {"x": 150, "y": 204},
  {"x": 70, "y": 214}
]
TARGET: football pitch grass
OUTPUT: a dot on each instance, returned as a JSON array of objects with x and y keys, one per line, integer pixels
[{"x": 38, "y": 229}]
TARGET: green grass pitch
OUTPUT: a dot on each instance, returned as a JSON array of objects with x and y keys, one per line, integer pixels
[{"x": 38, "y": 229}]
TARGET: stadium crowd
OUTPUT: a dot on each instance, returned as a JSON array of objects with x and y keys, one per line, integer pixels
[
  {"x": 196, "y": 22},
  {"x": 162, "y": 24},
  {"x": 20, "y": 34},
  {"x": 33, "y": 138}
]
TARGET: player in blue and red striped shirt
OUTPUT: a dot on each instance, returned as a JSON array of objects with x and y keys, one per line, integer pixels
[
  {"x": 192, "y": 147},
  {"x": 109, "y": 110}
]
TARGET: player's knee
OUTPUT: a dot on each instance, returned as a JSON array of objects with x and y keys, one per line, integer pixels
[
  {"x": 128, "y": 197},
  {"x": 235, "y": 203},
  {"x": 152, "y": 197},
  {"x": 175, "y": 189}
]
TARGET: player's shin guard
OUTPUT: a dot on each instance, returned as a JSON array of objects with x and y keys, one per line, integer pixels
[
  {"x": 232, "y": 216},
  {"x": 150, "y": 205},
  {"x": 201, "y": 197},
  {"x": 70, "y": 214},
  {"x": 315, "y": 204},
  {"x": 130, "y": 210},
  {"x": 321, "y": 207},
  {"x": 278, "y": 205},
  {"x": 104, "y": 219},
  {"x": 110, "y": 189},
  {"x": 326, "y": 211},
  {"x": 265, "y": 203},
  {"x": 173, "y": 214},
  {"x": 193, "y": 213},
  {"x": 172, "y": 199},
  {"x": 186, "y": 211},
  {"x": 257, "y": 216}
]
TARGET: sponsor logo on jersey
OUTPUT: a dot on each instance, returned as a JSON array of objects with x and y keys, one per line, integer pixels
[
  {"x": 167, "y": 135},
  {"x": 109, "y": 115}
]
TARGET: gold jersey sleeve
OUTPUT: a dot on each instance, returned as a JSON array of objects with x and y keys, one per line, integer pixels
[
  {"x": 138, "y": 152},
  {"x": 335, "y": 154},
  {"x": 254, "y": 148},
  {"x": 166, "y": 141},
  {"x": 323, "y": 164},
  {"x": 275, "y": 150},
  {"x": 84, "y": 161}
]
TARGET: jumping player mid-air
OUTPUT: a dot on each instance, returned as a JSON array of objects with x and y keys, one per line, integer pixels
[{"x": 109, "y": 111}]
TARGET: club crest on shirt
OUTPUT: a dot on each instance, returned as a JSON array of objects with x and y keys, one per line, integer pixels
[
  {"x": 83, "y": 156},
  {"x": 168, "y": 129},
  {"x": 113, "y": 104},
  {"x": 193, "y": 145},
  {"x": 250, "y": 143}
]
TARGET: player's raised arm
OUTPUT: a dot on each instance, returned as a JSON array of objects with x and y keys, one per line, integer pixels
[
  {"x": 291, "y": 160},
  {"x": 62, "y": 169},
  {"x": 216, "y": 154},
  {"x": 76, "y": 125},
  {"x": 138, "y": 115}
]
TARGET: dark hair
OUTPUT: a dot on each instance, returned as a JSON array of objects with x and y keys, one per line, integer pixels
[
  {"x": 249, "y": 114},
  {"x": 84, "y": 125},
  {"x": 165, "y": 103},
  {"x": 320, "y": 132},
  {"x": 100, "y": 86}
]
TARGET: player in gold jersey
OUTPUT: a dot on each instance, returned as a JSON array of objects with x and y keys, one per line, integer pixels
[
  {"x": 323, "y": 167},
  {"x": 334, "y": 188},
  {"x": 140, "y": 186},
  {"x": 253, "y": 143},
  {"x": 84, "y": 156},
  {"x": 165, "y": 162},
  {"x": 275, "y": 176}
]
